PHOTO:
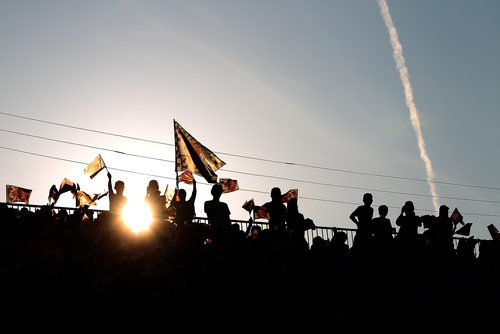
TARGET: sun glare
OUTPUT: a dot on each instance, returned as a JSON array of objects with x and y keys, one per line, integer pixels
[{"x": 137, "y": 216}]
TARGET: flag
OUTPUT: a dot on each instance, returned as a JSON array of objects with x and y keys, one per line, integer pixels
[
  {"x": 186, "y": 177},
  {"x": 229, "y": 185},
  {"x": 95, "y": 167},
  {"x": 292, "y": 193},
  {"x": 169, "y": 193},
  {"x": 260, "y": 212},
  {"x": 192, "y": 156},
  {"x": 456, "y": 217},
  {"x": 67, "y": 185},
  {"x": 53, "y": 194},
  {"x": 82, "y": 198},
  {"x": 494, "y": 232},
  {"x": 464, "y": 230},
  {"x": 248, "y": 205},
  {"x": 17, "y": 194}
]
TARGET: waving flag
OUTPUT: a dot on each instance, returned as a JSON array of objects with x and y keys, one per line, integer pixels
[
  {"x": 495, "y": 235},
  {"x": 292, "y": 193},
  {"x": 53, "y": 194},
  {"x": 456, "y": 217},
  {"x": 82, "y": 198},
  {"x": 248, "y": 205},
  {"x": 193, "y": 157},
  {"x": 95, "y": 167},
  {"x": 186, "y": 177},
  {"x": 17, "y": 194},
  {"x": 260, "y": 212},
  {"x": 229, "y": 185},
  {"x": 464, "y": 230}
]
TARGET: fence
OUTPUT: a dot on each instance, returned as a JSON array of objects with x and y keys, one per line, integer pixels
[{"x": 324, "y": 232}]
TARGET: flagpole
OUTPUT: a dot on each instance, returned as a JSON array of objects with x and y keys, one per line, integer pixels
[{"x": 175, "y": 153}]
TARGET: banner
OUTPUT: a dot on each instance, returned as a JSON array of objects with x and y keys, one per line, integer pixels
[
  {"x": 193, "y": 157},
  {"x": 17, "y": 194},
  {"x": 186, "y": 177}
]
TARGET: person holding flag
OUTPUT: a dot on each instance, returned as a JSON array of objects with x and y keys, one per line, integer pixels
[{"x": 116, "y": 199}]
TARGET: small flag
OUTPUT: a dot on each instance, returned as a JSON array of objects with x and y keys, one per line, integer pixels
[
  {"x": 67, "y": 185},
  {"x": 464, "y": 230},
  {"x": 248, "y": 205},
  {"x": 53, "y": 194},
  {"x": 186, "y": 177},
  {"x": 456, "y": 217},
  {"x": 169, "y": 193},
  {"x": 494, "y": 232},
  {"x": 292, "y": 193},
  {"x": 83, "y": 198},
  {"x": 260, "y": 212},
  {"x": 95, "y": 167},
  {"x": 17, "y": 194},
  {"x": 192, "y": 156},
  {"x": 229, "y": 185}
]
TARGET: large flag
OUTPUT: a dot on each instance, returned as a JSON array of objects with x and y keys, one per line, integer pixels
[
  {"x": 186, "y": 177},
  {"x": 229, "y": 185},
  {"x": 17, "y": 194},
  {"x": 193, "y": 157},
  {"x": 292, "y": 193},
  {"x": 95, "y": 167}
]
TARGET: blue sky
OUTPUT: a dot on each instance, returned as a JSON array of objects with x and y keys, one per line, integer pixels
[{"x": 309, "y": 82}]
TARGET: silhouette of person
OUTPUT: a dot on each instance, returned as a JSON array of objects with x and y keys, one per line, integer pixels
[
  {"x": 297, "y": 225},
  {"x": 218, "y": 215},
  {"x": 408, "y": 224},
  {"x": 277, "y": 211},
  {"x": 382, "y": 228},
  {"x": 184, "y": 209},
  {"x": 362, "y": 217},
  {"x": 154, "y": 200},
  {"x": 442, "y": 231},
  {"x": 116, "y": 199}
]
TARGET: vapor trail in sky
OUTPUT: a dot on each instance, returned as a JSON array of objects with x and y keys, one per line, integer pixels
[{"x": 397, "y": 52}]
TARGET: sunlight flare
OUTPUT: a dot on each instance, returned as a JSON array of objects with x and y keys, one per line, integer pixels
[{"x": 137, "y": 216}]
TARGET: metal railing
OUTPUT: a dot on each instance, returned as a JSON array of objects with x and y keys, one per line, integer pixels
[{"x": 325, "y": 232}]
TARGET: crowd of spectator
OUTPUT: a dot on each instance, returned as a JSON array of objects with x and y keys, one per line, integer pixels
[{"x": 82, "y": 271}]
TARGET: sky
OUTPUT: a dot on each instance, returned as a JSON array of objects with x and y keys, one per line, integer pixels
[{"x": 312, "y": 83}]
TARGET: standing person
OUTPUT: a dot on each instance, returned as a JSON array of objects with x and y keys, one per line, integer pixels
[
  {"x": 277, "y": 211},
  {"x": 442, "y": 232},
  {"x": 116, "y": 199},
  {"x": 218, "y": 215},
  {"x": 184, "y": 209},
  {"x": 382, "y": 228},
  {"x": 362, "y": 217},
  {"x": 408, "y": 224},
  {"x": 154, "y": 200}
]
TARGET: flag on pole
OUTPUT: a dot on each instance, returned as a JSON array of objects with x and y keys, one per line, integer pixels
[
  {"x": 95, "y": 167},
  {"x": 17, "y": 194},
  {"x": 495, "y": 235},
  {"x": 456, "y": 217},
  {"x": 464, "y": 230},
  {"x": 292, "y": 193},
  {"x": 82, "y": 198},
  {"x": 229, "y": 185},
  {"x": 249, "y": 205},
  {"x": 192, "y": 156},
  {"x": 186, "y": 177}
]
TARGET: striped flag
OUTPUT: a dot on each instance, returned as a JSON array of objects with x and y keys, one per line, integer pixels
[
  {"x": 17, "y": 194},
  {"x": 95, "y": 167},
  {"x": 192, "y": 156},
  {"x": 229, "y": 185}
]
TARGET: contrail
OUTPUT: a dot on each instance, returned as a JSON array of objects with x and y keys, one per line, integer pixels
[{"x": 414, "y": 117}]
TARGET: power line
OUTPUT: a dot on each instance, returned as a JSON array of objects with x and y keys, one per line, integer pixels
[
  {"x": 257, "y": 174},
  {"x": 248, "y": 190},
  {"x": 258, "y": 158}
]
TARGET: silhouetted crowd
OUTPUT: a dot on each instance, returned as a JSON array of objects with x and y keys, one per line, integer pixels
[{"x": 84, "y": 272}]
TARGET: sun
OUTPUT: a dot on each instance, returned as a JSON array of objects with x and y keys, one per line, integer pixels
[{"x": 137, "y": 216}]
